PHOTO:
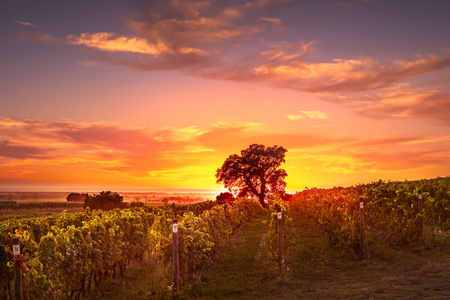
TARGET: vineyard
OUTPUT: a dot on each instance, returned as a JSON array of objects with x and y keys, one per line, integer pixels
[
  {"x": 70, "y": 255},
  {"x": 65, "y": 256},
  {"x": 391, "y": 211}
]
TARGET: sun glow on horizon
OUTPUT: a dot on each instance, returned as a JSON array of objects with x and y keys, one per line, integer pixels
[{"x": 128, "y": 99}]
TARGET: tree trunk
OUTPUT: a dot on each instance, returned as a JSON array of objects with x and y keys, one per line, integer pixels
[
  {"x": 262, "y": 194},
  {"x": 261, "y": 200}
]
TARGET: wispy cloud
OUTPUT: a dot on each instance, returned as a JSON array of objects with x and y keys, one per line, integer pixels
[
  {"x": 389, "y": 161},
  {"x": 272, "y": 20},
  {"x": 25, "y": 23},
  {"x": 17, "y": 151},
  {"x": 357, "y": 2},
  {"x": 398, "y": 101},
  {"x": 201, "y": 38},
  {"x": 314, "y": 114},
  {"x": 287, "y": 51},
  {"x": 191, "y": 30},
  {"x": 267, "y": 3},
  {"x": 380, "y": 155},
  {"x": 396, "y": 141},
  {"x": 180, "y": 34},
  {"x": 111, "y": 42},
  {"x": 351, "y": 75},
  {"x": 179, "y": 134}
]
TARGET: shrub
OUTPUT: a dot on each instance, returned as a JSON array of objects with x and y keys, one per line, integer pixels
[{"x": 104, "y": 200}]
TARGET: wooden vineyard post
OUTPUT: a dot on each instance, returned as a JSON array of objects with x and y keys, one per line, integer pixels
[
  {"x": 176, "y": 264},
  {"x": 362, "y": 229},
  {"x": 17, "y": 269},
  {"x": 420, "y": 206},
  {"x": 280, "y": 240}
]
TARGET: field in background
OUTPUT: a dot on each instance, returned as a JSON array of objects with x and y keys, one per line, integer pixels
[
  {"x": 22, "y": 211},
  {"x": 127, "y": 196},
  {"x": 46, "y": 210}
]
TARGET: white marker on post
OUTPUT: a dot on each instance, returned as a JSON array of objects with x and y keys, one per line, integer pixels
[
  {"x": 175, "y": 228},
  {"x": 16, "y": 249},
  {"x": 279, "y": 215}
]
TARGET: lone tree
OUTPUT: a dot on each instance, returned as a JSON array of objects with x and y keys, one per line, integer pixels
[{"x": 255, "y": 172}]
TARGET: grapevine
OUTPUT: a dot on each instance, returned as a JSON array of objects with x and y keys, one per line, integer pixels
[
  {"x": 66, "y": 255},
  {"x": 277, "y": 203},
  {"x": 391, "y": 214}
]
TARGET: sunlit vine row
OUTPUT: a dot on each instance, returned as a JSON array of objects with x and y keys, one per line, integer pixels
[
  {"x": 391, "y": 209},
  {"x": 200, "y": 236},
  {"x": 65, "y": 255},
  {"x": 68, "y": 255},
  {"x": 275, "y": 204}
]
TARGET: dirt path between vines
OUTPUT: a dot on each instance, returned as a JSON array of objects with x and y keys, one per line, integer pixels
[{"x": 317, "y": 270}]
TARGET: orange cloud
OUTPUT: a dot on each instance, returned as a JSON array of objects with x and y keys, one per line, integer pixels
[
  {"x": 191, "y": 8},
  {"x": 287, "y": 51},
  {"x": 231, "y": 138},
  {"x": 192, "y": 30},
  {"x": 389, "y": 161},
  {"x": 380, "y": 156},
  {"x": 198, "y": 38},
  {"x": 179, "y": 34},
  {"x": 111, "y": 42},
  {"x": 314, "y": 114},
  {"x": 351, "y": 75},
  {"x": 398, "y": 101},
  {"x": 98, "y": 153},
  {"x": 181, "y": 134},
  {"x": 395, "y": 141},
  {"x": 17, "y": 151}
]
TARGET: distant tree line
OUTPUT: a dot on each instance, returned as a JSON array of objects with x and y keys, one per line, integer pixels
[
  {"x": 108, "y": 200},
  {"x": 76, "y": 197}
]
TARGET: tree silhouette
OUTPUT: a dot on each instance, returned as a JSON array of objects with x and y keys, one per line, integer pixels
[
  {"x": 104, "y": 200},
  {"x": 255, "y": 172},
  {"x": 76, "y": 197},
  {"x": 225, "y": 198}
]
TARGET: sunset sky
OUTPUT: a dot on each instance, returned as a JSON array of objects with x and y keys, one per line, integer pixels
[{"x": 117, "y": 95}]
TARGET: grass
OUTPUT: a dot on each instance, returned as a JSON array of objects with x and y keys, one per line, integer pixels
[
  {"x": 320, "y": 271},
  {"x": 145, "y": 280},
  {"x": 242, "y": 269},
  {"x": 236, "y": 272},
  {"x": 37, "y": 213},
  {"x": 315, "y": 270}
]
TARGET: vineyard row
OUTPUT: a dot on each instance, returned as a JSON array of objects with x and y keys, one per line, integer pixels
[
  {"x": 65, "y": 256},
  {"x": 391, "y": 210}
]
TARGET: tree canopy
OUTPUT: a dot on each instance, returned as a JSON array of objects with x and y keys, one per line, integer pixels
[
  {"x": 225, "y": 198},
  {"x": 255, "y": 172},
  {"x": 76, "y": 197},
  {"x": 104, "y": 200}
]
